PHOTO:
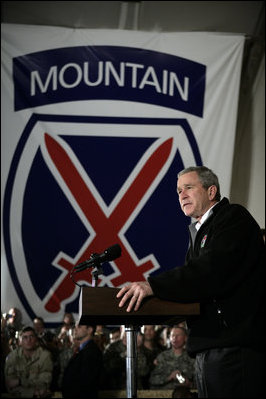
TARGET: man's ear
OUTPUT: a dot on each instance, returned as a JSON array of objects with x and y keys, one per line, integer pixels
[{"x": 212, "y": 190}]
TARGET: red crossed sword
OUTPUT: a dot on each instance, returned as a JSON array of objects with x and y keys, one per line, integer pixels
[{"x": 106, "y": 228}]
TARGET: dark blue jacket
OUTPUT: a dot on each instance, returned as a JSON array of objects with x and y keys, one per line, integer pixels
[{"x": 82, "y": 376}]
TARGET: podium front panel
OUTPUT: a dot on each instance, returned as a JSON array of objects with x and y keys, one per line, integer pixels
[{"x": 99, "y": 305}]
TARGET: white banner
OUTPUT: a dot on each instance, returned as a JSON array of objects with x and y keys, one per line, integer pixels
[{"x": 96, "y": 124}]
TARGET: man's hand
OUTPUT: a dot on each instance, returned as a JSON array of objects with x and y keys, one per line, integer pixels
[
  {"x": 172, "y": 376},
  {"x": 137, "y": 291}
]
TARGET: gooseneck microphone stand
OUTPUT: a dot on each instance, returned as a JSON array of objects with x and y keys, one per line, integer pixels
[{"x": 131, "y": 339}]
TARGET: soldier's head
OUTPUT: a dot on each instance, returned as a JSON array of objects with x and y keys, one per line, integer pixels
[
  {"x": 149, "y": 332},
  {"x": 28, "y": 339},
  {"x": 178, "y": 337}
]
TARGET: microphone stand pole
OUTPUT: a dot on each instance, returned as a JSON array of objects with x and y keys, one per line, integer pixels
[
  {"x": 131, "y": 359},
  {"x": 95, "y": 275},
  {"x": 97, "y": 270}
]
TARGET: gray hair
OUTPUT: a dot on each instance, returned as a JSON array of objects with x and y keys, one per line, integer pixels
[{"x": 206, "y": 177}]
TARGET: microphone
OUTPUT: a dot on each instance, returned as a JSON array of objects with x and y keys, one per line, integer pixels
[{"x": 109, "y": 254}]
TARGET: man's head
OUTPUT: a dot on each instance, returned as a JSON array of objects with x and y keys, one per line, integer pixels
[
  {"x": 38, "y": 325},
  {"x": 198, "y": 190},
  {"x": 178, "y": 337},
  {"x": 83, "y": 333},
  {"x": 68, "y": 319},
  {"x": 15, "y": 316},
  {"x": 149, "y": 332},
  {"x": 115, "y": 334},
  {"x": 28, "y": 339}
]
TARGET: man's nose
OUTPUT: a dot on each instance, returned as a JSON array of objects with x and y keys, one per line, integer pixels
[{"x": 182, "y": 195}]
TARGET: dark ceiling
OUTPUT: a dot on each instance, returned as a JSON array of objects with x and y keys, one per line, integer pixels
[
  {"x": 246, "y": 17},
  {"x": 220, "y": 16}
]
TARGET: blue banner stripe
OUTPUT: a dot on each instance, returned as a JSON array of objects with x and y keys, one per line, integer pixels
[{"x": 108, "y": 73}]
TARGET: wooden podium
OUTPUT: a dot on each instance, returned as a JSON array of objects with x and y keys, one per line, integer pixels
[{"x": 99, "y": 305}]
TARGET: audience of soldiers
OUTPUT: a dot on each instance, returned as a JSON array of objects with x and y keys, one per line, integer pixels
[{"x": 35, "y": 359}]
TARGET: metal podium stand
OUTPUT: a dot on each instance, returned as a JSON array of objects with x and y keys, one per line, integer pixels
[
  {"x": 131, "y": 361},
  {"x": 99, "y": 305}
]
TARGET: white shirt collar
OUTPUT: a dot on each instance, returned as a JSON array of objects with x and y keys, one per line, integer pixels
[{"x": 204, "y": 217}]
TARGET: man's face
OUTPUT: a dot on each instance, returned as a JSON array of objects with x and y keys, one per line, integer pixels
[
  {"x": 177, "y": 338},
  {"x": 149, "y": 332},
  {"x": 81, "y": 332},
  {"x": 28, "y": 341},
  {"x": 193, "y": 198},
  {"x": 114, "y": 336},
  {"x": 12, "y": 316},
  {"x": 38, "y": 326}
]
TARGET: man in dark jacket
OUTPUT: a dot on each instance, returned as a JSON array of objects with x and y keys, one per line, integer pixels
[
  {"x": 224, "y": 271},
  {"x": 83, "y": 373}
]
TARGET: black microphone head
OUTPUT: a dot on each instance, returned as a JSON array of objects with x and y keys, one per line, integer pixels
[{"x": 112, "y": 252}]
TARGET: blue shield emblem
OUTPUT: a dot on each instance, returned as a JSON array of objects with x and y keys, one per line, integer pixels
[{"x": 79, "y": 184}]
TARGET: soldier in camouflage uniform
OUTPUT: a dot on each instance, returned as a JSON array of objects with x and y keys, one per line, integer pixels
[
  {"x": 28, "y": 369},
  {"x": 173, "y": 363},
  {"x": 149, "y": 349}
]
